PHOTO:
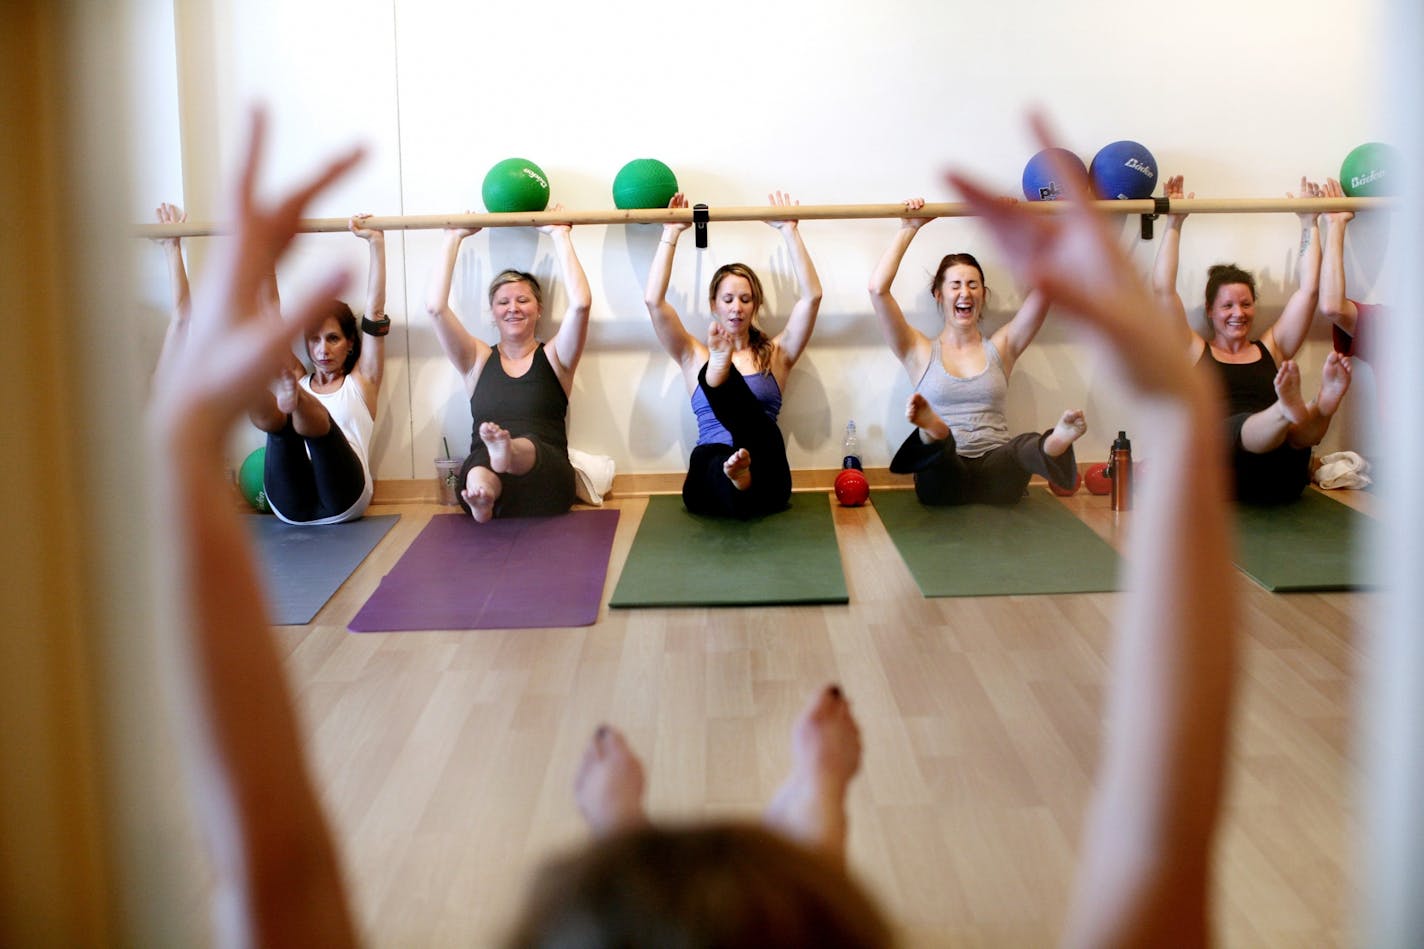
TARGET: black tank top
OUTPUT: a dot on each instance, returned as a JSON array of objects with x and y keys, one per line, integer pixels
[
  {"x": 532, "y": 405},
  {"x": 1251, "y": 386}
]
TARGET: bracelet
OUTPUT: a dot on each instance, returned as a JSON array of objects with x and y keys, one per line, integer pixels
[
  {"x": 666, "y": 241},
  {"x": 376, "y": 327}
]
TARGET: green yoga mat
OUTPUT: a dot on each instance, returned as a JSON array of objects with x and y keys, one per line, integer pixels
[
  {"x": 682, "y": 559},
  {"x": 1315, "y": 543},
  {"x": 1035, "y": 546}
]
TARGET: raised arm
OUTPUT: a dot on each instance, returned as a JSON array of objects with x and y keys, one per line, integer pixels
[
  {"x": 1334, "y": 304},
  {"x": 907, "y": 343},
  {"x": 1164, "y": 268},
  {"x": 1145, "y": 870},
  {"x": 1287, "y": 334},
  {"x": 791, "y": 341},
  {"x": 177, "y": 283},
  {"x": 684, "y": 349},
  {"x": 567, "y": 345},
  {"x": 465, "y": 352},
  {"x": 1014, "y": 336},
  {"x": 372, "y": 364},
  {"x": 278, "y": 878}
]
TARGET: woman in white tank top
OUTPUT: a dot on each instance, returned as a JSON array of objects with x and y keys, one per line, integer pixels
[
  {"x": 319, "y": 424},
  {"x": 961, "y": 450}
]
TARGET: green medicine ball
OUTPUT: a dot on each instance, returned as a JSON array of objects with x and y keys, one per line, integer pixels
[
  {"x": 1371, "y": 171},
  {"x": 643, "y": 183},
  {"x": 515, "y": 185},
  {"x": 249, "y": 480}
]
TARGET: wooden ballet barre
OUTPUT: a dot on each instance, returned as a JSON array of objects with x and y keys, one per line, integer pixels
[{"x": 806, "y": 212}]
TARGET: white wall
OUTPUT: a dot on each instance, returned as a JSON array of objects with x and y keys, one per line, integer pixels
[{"x": 836, "y": 102}]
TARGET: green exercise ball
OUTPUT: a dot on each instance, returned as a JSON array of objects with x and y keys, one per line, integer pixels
[
  {"x": 1371, "y": 171},
  {"x": 249, "y": 480},
  {"x": 515, "y": 185},
  {"x": 644, "y": 183}
]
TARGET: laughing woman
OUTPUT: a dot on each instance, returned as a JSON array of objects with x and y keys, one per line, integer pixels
[{"x": 961, "y": 451}]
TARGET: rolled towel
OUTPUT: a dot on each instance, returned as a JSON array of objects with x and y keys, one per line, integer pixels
[
  {"x": 1342, "y": 469},
  {"x": 593, "y": 475}
]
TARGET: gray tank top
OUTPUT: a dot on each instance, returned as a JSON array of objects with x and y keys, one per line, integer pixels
[{"x": 973, "y": 408}]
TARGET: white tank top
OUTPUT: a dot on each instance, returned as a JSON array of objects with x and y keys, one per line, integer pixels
[{"x": 347, "y": 408}]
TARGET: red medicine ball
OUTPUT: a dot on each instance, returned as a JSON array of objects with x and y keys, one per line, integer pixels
[
  {"x": 851, "y": 488},
  {"x": 1097, "y": 480}
]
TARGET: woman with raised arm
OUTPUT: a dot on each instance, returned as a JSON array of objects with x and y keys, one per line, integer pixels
[
  {"x": 319, "y": 424},
  {"x": 1353, "y": 321},
  {"x": 519, "y": 388},
  {"x": 1270, "y": 425},
  {"x": 177, "y": 283},
  {"x": 961, "y": 451},
  {"x": 738, "y": 467}
]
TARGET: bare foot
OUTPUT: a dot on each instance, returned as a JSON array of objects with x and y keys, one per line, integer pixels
[
  {"x": 496, "y": 440},
  {"x": 825, "y": 755},
  {"x": 738, "y": 469},
  {"x": 719, "y": 355},
  {"x": 480, "y": 493},
  {"x": 284, "y": 390},
  {"x": 609, "y": 784},
  {"x": 1071, "y": 427},
  {"x": 1287, "y": 383},
  {"x": 919, "y": 414},
  {"x": 1334, "y": 383}
]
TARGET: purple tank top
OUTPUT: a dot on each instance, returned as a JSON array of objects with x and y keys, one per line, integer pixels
[{"x": 711, "y": 432}]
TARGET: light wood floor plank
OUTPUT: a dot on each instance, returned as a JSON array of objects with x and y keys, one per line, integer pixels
[{"x": 446, "y": 759}]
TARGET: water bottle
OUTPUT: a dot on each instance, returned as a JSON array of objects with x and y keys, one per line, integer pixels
[
  {"x": 850, "y": 454},
  {"x": 1120, "y": 470}
]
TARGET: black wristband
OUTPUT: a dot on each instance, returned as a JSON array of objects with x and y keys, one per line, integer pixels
[{"x": 376, "y": 327}]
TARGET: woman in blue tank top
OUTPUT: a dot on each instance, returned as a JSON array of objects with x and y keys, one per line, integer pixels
[
  {"x": 519, "y": 388},
  {"x": 738, "y": 467},
  {"x": 1270, "y": 426},
  {"x": 961, "y": 451}
]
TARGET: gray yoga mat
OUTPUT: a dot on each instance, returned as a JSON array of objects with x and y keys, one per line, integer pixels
[{"x": 305, "y": 565}]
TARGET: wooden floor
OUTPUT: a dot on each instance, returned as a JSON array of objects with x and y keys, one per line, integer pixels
[{"x": 446, "y": 759}]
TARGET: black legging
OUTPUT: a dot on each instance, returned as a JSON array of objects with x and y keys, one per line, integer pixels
[
  {"x": 311, "y": 486},
  {"x": 999, "y": 476},
  {"x": 707, "y": 490}
]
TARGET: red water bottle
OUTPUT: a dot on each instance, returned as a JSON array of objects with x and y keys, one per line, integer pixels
[{"x": 1120, "y": 471}]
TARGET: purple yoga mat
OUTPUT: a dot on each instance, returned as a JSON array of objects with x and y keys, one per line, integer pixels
[{"x": 515, "y": 573}]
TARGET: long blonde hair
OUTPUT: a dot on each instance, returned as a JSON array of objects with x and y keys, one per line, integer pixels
[{"x": 759, "y": 341}]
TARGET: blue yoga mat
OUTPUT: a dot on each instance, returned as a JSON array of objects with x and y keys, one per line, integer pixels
[{"x": 305, "y": 565}]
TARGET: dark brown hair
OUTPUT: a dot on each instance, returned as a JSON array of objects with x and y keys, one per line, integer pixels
[
  {"x": 1221, "y": 275},
  {"x": 341, "y": 313},
  {"x": 709, "y": 885},
  {"x": 951, "y": 260},
  {"x": 759, "y": 341}
]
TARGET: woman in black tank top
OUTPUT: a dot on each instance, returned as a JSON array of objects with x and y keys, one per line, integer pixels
[
  {"x": 519, "y": 388},
  {"x": 1271, "y": 426}
]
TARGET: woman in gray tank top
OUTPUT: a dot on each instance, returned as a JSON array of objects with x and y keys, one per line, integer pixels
[{"x": 961, "y": 451}]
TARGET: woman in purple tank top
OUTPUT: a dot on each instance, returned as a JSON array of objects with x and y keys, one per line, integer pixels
[
  {"x": 961, "y": 451},
  {"x": 1270, "y": 426},
  {"x": 738, "y": 467}
]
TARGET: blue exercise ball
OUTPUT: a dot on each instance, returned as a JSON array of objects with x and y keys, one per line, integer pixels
[
  {"x": 1123, "y": 170},
  {"x": 1040, "y": 177}
]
